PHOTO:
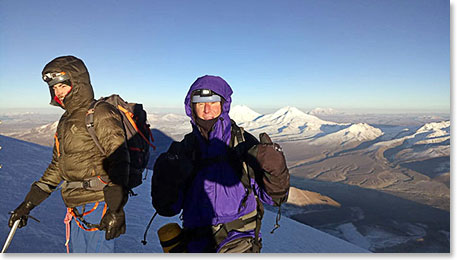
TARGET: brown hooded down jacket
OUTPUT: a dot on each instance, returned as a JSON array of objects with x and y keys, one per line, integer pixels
[{"x": 75, "y": 155}]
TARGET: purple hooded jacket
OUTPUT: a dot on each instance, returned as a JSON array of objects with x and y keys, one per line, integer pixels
[{"x": 215, "y": 196}]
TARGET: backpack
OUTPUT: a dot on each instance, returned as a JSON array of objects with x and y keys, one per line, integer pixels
[{"x": 138, "y": 134}]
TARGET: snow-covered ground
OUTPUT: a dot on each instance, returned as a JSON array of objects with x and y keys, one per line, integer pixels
[{"x": 24, "y": 163}]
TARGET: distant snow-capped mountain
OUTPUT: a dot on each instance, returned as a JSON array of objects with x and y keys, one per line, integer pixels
[
  {"x": 153, "y": 117},
  {"x": 173, "y": 125},
  {"x": 289, "y": 114},
  {"x": 323, "y": 111},
  {"x": 242, "y": 113},
  {"x": 354, "y": 133},
  {"x": 290, "y": 123},
  {"x": 43, "y": 135},
  {"x": 430, "y": 133},
  {"x": 436, "y": 130},
  {"x": 429, "y": 143},
  {"x": 51, "y": 127}
]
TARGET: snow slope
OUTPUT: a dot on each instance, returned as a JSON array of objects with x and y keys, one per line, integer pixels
[{"x": 24, "y": 163}]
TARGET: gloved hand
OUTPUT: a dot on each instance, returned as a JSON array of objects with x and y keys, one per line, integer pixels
[
  {"x": 271, "y": 160},
  {"x": 113, "y": 222},
  {"x": 33, "y": 199},
  {"x": 171, "y": 171},
  {"x": 21, "y": 213},
  {"x": 178, "y": 159}
]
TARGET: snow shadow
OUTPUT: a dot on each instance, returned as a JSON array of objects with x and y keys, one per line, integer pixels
[
  {"x": 432, "y": 168},
  {"x": 161, "y": 141},
  {"x": 330, "y": 129}
]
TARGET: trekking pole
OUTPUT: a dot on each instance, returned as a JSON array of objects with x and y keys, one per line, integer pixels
[{"x": 10, "y": 235}]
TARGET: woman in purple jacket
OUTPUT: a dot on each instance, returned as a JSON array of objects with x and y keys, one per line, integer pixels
[{"x": 218, "y": 175}]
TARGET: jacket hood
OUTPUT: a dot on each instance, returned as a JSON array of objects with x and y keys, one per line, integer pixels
[
  {"x": 221, "y": 129},
  {"x": 81, "y": 93}
]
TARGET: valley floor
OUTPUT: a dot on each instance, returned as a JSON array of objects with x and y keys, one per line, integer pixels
[{"x": 374, "y": 220}]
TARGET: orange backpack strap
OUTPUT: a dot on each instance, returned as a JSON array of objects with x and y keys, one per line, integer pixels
[{"x": 57, "y": 144}]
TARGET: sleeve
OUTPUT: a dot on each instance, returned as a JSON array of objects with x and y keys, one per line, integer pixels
[
  {"x": 51, "y": 177},
  {"x": 111, "y": 135}
]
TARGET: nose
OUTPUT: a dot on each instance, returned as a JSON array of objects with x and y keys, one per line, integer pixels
[
  {"x": 57, "y": 91},
  {"x": 207, "y": 108}
]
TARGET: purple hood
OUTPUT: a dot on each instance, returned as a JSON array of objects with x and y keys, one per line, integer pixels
[{"x": 221, "y": 130}]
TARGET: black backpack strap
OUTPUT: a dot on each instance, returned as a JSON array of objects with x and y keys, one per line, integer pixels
[
  {"x": 236, "y": 143},
  {"x": 90, "y": 125},
  {"x": 247, "y": 174},
  {"x": 238, "y": 138}
]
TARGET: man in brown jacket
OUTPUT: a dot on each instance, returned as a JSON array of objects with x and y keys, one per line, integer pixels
[{"x": 93, "y": 186}]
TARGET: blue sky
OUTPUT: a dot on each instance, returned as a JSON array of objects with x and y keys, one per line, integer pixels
[{"x": 358, "y": 55}]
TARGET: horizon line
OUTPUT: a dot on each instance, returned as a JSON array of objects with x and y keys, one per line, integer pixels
[{"x": 267, "y": 110}]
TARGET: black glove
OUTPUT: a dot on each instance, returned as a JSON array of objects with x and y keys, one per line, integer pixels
[
  {"x": 171, "y": 171},
  {"x": 178, "y": 158},
  {"x": 271, "y": 160},
  {"x": 33, "y": 199},
  {"x": 21, "y": 213},
  {"x": 113, "y": 222}
]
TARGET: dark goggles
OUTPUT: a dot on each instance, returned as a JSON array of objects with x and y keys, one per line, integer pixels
[{"x": 53, "y": 78}]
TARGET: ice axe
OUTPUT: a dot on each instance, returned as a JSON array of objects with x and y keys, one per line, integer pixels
[
  {"x": 10, "y": 235},
  {"x": 13, "y": 230}
]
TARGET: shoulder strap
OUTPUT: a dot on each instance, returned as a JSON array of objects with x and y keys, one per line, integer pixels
[
  {"x": 248, "y": 172},
  {"x": 238, "y": 137},
  {"x": 90, "y": 124}
]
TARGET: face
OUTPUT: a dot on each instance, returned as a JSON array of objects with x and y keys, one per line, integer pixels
[
  {"x": 61, "y": 90},
  {"x": 208, "y": 111}
]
